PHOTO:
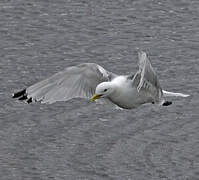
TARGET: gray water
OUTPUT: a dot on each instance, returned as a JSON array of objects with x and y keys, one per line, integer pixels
[{"x": 79, "y": 140}]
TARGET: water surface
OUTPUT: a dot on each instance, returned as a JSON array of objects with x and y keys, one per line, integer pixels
[{"x": 81, "y": 140}]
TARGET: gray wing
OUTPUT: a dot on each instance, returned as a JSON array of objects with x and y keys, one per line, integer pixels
[
  {"x": 146, "y": 79},
  {"x": 74, "y": 81}
]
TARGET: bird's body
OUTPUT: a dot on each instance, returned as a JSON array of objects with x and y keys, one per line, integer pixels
[
  {"x": 126, "y": 95},
  {"x": 125, "y": 91}
]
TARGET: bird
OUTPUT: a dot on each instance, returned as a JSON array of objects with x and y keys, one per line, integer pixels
[{"x": 90, "y": 80}]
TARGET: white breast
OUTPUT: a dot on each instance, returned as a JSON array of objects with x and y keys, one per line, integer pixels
[{"x": 125, "y": 95}]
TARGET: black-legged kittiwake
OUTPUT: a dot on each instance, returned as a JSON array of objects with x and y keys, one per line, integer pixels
[{"x": 90, "y": 80}]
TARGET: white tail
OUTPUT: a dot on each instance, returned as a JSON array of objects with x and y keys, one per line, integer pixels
[{"x": 167, "y": 93}]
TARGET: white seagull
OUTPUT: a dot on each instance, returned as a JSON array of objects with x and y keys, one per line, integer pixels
[{"x": 90, "y": 80}]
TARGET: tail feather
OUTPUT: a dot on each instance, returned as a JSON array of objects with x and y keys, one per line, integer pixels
[{"x": 167, "y": 93}]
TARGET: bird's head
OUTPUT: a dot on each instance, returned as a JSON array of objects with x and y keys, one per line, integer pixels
[{"x": 103, "y": 90}]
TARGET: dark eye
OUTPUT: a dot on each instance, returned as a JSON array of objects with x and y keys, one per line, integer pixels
[{"x": 105, "y": 90}]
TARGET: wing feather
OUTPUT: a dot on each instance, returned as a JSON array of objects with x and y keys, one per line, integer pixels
[
  {"x": 146, "y": 79},
  {"x": 75, "y": 81}
]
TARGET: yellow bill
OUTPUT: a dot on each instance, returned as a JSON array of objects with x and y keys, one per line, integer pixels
[{"x": 95, "y": 96}]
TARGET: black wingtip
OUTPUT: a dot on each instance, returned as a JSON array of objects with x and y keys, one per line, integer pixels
[
  {"x": 22, "y": 95},
  {"x": 167, "y": 103},
  {"x": 29, "y": 100},
  {"x": 19, "y": 94}
]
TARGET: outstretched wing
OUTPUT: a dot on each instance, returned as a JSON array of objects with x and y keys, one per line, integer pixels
[
  {"x": 74, "y": 81},
  {"x": 146, "y": 79}
]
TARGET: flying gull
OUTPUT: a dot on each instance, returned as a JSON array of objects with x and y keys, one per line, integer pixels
[{"x": 90, "y": 80}]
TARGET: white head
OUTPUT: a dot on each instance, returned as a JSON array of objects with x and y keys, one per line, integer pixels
[{"x": 103, "y": 90}]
